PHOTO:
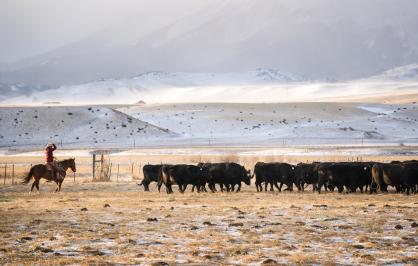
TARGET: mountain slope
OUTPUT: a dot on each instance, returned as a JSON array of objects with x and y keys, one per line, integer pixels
[
  {"x": 261, "y": 85},
  {"x": 402, "y": 73}
]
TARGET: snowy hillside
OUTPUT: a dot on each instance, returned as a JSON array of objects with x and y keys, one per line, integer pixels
[
  {"x": 403, "y": 73},
  {"x": 284, "y": 124},
  {"x": 75, "y": 127},
  {"x": 206, "y": 124}
]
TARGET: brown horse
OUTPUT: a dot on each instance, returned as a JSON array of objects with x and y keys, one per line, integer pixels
[{"x": 40, "y": 171}]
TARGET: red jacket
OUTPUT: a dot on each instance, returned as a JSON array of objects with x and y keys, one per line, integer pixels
[{"x": 49, "y": 156}]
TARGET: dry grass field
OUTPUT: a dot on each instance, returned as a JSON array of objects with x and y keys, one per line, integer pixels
[{"x": 118, "y": 223}]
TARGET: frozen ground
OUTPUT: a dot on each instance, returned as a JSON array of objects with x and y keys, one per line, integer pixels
[{"x": 115, "y": 223}]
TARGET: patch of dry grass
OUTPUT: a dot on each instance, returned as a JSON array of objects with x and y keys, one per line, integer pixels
[{"x": 222, "y": 228}]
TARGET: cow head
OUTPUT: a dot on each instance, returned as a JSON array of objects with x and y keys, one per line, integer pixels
[
  {"x": 247, "y": 177},
  {"x": 204, "y": 171},
  {"x": 145, "y": 183}
]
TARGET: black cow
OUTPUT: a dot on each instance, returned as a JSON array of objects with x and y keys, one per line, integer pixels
[
  {"x": 183, "y": 175},
  {"x": 386, "y": 174},
  {"x": 409, "y": 177},
  {"x": 274, "y": 173},
  {"x": 348, "y": 175},
  {"x": 306, "y": 173},
  {"x": 226, "y": 174},
  {"x": 152, "y": 173}
]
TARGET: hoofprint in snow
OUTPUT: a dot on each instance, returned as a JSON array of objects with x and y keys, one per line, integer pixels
[{"x": 259, "y": 86}]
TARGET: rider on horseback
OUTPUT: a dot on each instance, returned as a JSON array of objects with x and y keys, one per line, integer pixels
[{"x": 50, "y": 163}]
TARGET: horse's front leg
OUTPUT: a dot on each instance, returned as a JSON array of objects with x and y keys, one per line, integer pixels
[
  {"x": 59, "y": 187},
  {"x": 37, "y": 185}
]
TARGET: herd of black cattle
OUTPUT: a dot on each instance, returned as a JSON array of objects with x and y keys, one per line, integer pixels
[{"x": 365, "y": 176}]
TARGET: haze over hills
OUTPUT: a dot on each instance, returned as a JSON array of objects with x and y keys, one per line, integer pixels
[
  {"x": 399, "y": 85},
  {"x": 318, "y": 39}
]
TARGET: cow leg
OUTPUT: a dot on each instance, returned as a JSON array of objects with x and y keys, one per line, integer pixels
[
  {"x": 212, "y": 188},
  {"x": 373, "y": 188},
  {"x": 239, "y": 187},
  {"x": 280, "y": 187},
  {"x": 319, "y": 188},
  {"x": 340, "y": 189},
  {"x": 271, "y": 186},
  {"x": 265, "y": 186},
  {"x": 275, "y": 184}
]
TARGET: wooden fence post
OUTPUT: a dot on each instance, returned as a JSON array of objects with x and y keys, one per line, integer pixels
[
  {"x": 94, "y": 165},
  {"x": 132, "y": 170},
  {"x": 110, "y": 171},
  {"x": 117, "y": 175},
  {"x": 5, "y": 173},
  {"x": 13, "y": 174}
]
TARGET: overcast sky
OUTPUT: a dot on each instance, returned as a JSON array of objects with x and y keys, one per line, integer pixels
[{"x": 30, "y": 27}]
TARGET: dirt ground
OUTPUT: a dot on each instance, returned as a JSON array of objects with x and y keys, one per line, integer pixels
[{"x": 118, "y": 223}]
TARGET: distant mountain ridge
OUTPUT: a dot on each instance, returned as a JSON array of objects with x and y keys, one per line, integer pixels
[
  {"x": 261, "y": 85},
  {"x": 402, "y": 73},
  {"x": 335, "y": 40}
]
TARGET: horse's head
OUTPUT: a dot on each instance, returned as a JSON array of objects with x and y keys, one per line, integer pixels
[{"x": 72, "y": 164}]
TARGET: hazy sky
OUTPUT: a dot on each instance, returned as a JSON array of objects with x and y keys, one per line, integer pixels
[
  {"x": 30, "y": 27},
  {"x": 74, "y": 41}
]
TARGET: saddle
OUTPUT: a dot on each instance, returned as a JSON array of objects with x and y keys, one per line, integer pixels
[{"x": 53, "y": 170}]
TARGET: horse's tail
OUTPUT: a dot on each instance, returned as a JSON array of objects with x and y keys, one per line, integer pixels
[{"x": 28, "y": 177}]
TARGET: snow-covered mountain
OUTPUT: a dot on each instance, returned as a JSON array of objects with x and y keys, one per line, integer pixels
[
  {"x": 319, "y": 39},
  {"x": 403, "y": 73},
  {"x": 258, "y": 86}
]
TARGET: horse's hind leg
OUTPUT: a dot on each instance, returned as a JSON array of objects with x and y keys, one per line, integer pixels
[
  {"x": 37, "y": 184},
  {"x": 33, "y": 185}
]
